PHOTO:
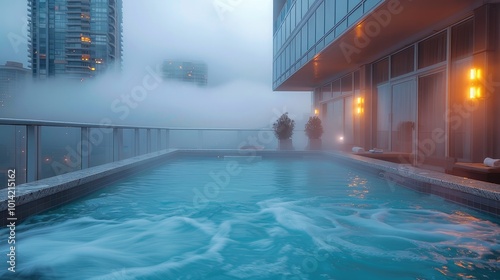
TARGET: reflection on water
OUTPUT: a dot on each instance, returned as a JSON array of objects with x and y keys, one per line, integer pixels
[{"x": 322, "y": 222}]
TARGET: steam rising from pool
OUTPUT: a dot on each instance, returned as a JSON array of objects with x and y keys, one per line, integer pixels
[
  {"x": 142, "y": 98},
  {"x": 274, "y": 220}
]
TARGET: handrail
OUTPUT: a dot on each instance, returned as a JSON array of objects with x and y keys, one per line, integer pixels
[{"x": 11, "y": 121}]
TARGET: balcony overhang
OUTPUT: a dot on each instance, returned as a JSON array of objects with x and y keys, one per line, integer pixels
[{"x": 391, "y": 26}]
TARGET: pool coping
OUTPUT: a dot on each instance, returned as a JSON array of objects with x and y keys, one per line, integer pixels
[
  {"x": 480, "y": 195},
  {"x": 38, "y": 196}
]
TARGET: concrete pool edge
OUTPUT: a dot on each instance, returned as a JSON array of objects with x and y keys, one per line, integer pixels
[
  {"x": 480, "y": 195},
  {"x": 36, "y": 197}
]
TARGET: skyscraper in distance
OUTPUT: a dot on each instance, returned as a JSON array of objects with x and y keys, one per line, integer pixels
[
  {"x": 74, "y": 38},
  {"x": 185, "y": 71}
]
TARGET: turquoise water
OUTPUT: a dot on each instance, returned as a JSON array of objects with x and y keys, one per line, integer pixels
[{"x": 269, "y": 219}]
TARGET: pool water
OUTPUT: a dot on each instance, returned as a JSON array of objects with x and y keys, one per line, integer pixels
[{"x": 257, "y": 219}]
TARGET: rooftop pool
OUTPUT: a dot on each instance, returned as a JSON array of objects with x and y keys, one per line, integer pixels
[{"x": 256, "y": 218}]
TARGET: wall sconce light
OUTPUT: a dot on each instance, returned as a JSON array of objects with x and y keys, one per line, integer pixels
[
  {"x": 360, "y": 105},
  {"x": 475, "y": 87},
  {"x": 316, "y": 112}
]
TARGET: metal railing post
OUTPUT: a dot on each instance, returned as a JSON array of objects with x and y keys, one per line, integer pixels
[
  {"x": 85, "y": 154},
  {"x": 117, "y": 142},
  {"x": 148, "y": 141},
  {"x": 200, "y": 137},
  {"x": 32, "y": 152},
  {"x": 167, "y": 138},
  {"x": 136, "y": 142},
  {"x": 158, "y": 140}
]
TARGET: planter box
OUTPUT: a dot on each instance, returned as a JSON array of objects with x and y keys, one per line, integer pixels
[
  {"x": 314, "y": 144},
  {"x": 285, "y": 144}
]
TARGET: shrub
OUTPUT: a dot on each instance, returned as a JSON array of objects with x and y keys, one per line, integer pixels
[
  {"x": 283, "y": 127},
  {"x": 313, "y": 128}
]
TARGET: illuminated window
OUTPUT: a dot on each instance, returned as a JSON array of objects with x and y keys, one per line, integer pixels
[{"x": 85, "y": 39}]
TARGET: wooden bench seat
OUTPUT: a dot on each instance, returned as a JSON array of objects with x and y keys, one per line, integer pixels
[
  {"x": 389, "y": 156},
  {"x": 477, "y": 171}
]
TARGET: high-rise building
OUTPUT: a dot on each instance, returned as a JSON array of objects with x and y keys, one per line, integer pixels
[
  {"x": 13, "y": 77},
  {"x": 412, "y": 77},
  {"x": 74, "y": 38},
  {"x": 185, "y": 71}
]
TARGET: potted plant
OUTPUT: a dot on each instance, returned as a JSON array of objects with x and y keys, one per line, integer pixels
[
  {"x": 314, "y": 130},
  {"x": 283, "y": 130}
]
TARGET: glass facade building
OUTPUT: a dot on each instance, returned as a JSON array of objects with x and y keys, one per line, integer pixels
[
  {"x": 413, "y": 77},
  {"x": 185, "y": 71},
  {"x": 74, "y": 38}
]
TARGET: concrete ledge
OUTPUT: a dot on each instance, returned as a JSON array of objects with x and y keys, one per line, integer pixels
[{"x": 481, "y": 195}]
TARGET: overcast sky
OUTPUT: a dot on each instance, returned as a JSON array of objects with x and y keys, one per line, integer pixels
[
  {"x": 235, "y": 41},
  {"x": 234, "y": 38}
]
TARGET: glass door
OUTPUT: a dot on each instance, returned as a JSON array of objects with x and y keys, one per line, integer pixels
[
  {"x": 404, "y": 107},
  {"x": 431, "y": 118}
]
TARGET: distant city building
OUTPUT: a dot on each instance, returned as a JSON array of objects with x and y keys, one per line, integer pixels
[
  {"x": 13, "y": 78},
  {"x": 74, "y": 38},
  {"x": 192, "y": 72}
]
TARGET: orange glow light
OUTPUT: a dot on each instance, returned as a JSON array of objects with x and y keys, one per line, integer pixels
[
  {"x": 474, "y": 88},
  {"x": 359, "y": 105},
  {"x": 475, "y": 74}
]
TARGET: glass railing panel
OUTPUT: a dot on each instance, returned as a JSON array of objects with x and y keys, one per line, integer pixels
[
  {"x": 154, "y": 140},
  {"x": 185, "y": 139},
  {"x": 60, "y": 151},
  {"x": 101, "y": 143},
  {"x": 143, "y": 142},
  {"x": 219, "y": 139},
  {"x": 20, "y": 154},
  {"x": 164, "y": 139},
  {"x": 7, "y": 152},
  {"x": 127, "y": 149}
]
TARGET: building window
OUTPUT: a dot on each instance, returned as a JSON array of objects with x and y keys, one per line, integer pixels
[
  {"x": 381, "y": 71},
  {"x": 311, "y": 32},
  {"x": 402, "y": 62},
  {"x": 336, "y": 88},
  {"x": 326, "y": 92},
  {"x": 346, "y": 84},
  {"x": 304, "y": 39},
  {"x": 462, "y": 40},
  {"x": 340, "y": 10},
  {"x": 432, "y": 50},
  {"x": 320, "y": 21},
  {"x": 329, "y": 14}
]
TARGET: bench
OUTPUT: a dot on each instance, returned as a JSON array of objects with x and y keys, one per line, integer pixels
[
  {"x": 395, "y": 157},
  {"x": 477, "y": 171}
]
